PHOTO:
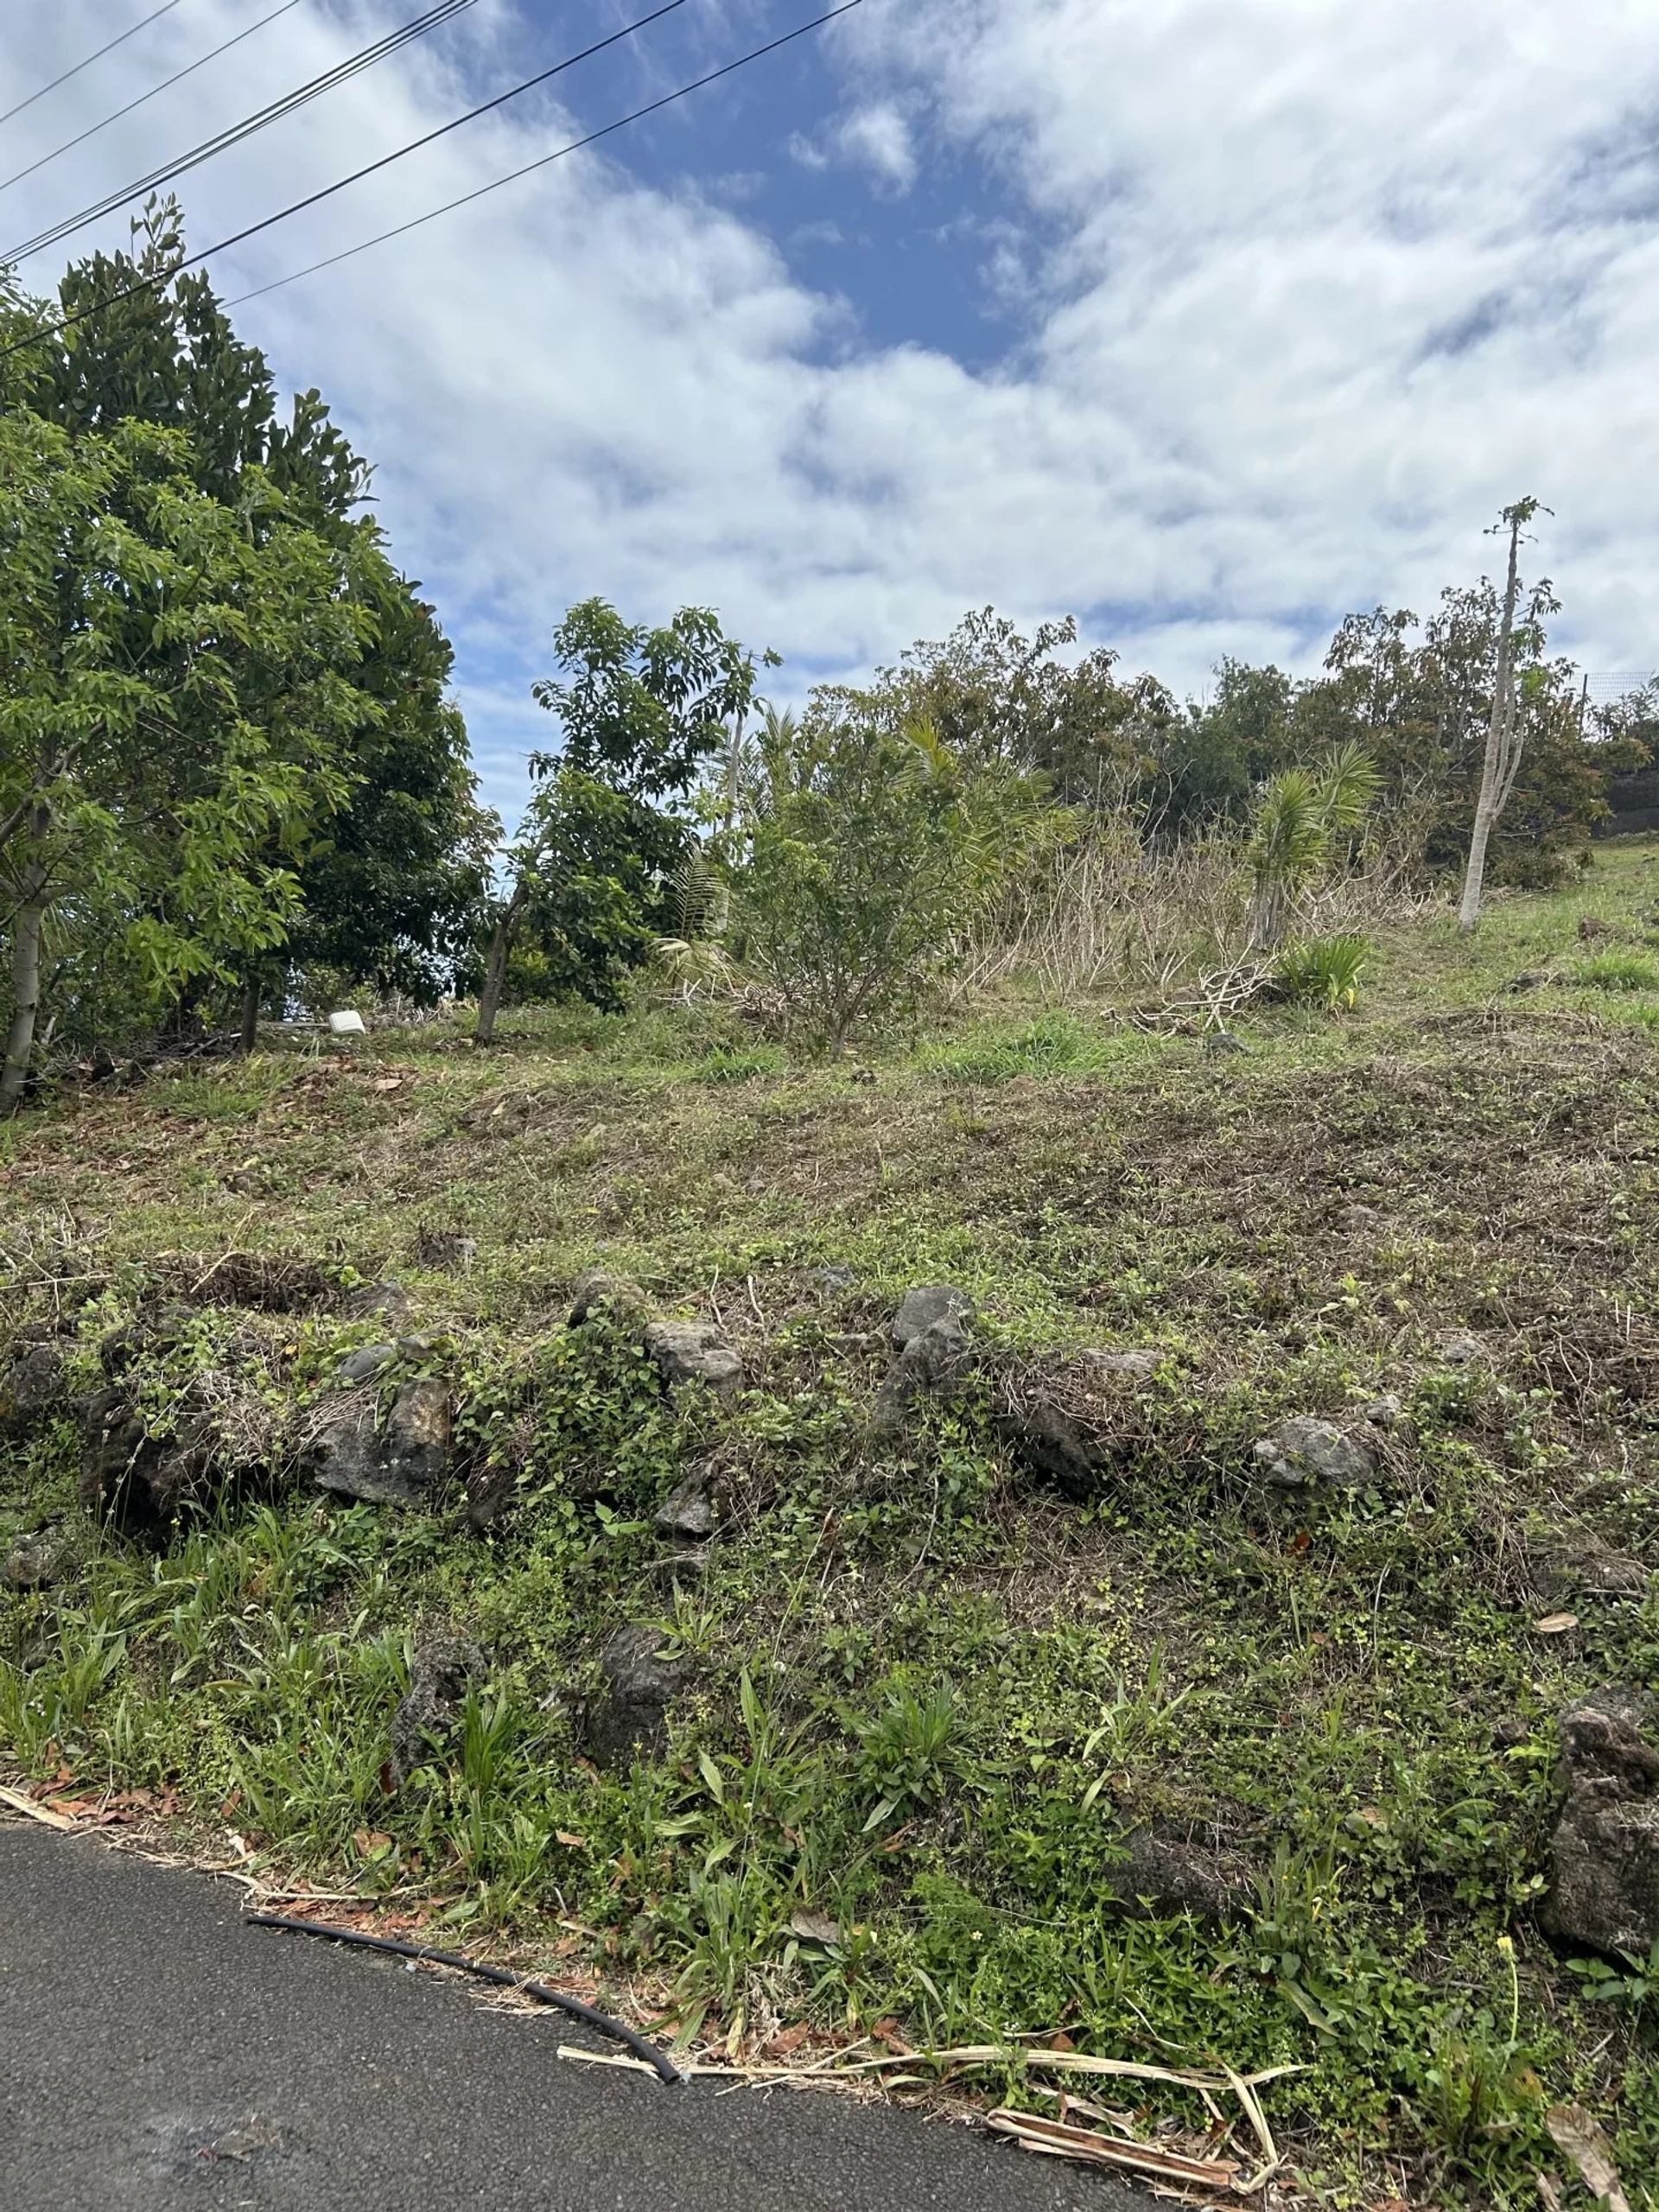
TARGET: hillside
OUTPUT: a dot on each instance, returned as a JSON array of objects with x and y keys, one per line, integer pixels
[{"x": 981, "y": 1689}]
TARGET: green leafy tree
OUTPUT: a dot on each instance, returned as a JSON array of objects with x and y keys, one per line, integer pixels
[
  {"x": 177, "y": 714},
  {"x": 641, "y": 711},
  {"x": 997, "y": 697},
  {"x": 388, "y": 896}
]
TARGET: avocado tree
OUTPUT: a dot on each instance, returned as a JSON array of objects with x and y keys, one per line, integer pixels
[
  {"x": 177, "y": 714},
  {"x": 388, "y": 894}
]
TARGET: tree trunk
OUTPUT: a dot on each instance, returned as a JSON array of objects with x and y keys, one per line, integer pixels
[
  {"x": 25, "y": 984},
  {"x": 495, "y": 966},
  {"x": 250, "y": 1035},
  {"x": 1495, "y": 773}
]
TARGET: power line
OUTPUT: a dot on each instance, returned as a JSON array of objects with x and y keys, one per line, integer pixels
[
  {"x": 149, "y": 283},
  {"x": 166, "y": 85},
  {"x": 108, "y": 48},
  {"x": 249, "y": 126},
  {"x": 513, "y": 176}
]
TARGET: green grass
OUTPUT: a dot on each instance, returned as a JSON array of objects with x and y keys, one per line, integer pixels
[{"x": 930, "y": 1700}]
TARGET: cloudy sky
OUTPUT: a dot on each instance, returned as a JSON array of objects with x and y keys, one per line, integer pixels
[{"x": 1206, "y": 321}]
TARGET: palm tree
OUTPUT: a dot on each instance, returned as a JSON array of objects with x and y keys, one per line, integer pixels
[{"x": 1301, "y": 820}]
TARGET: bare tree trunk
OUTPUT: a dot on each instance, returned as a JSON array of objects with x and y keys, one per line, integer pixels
[
  {"x": 27, "y": 929},
  {"x": 495, "y": 966},
  {"x": 1498, "y": 769}
]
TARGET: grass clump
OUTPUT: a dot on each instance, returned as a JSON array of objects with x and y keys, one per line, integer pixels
[{"x": 1618, "y": 971}]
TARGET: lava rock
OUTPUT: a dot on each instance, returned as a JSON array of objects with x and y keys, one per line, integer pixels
[
  {"x": 44, "y": 1560},
  {"x": 1304, "y": 1450},
  {"x": 598, "y": 1291},
  {"x": 630, "y": 1713},
  {"x": 695, "y": 1352},
  {"x": 442, "y": 1671},
  {"x": 1056, "y": 1446},
  {"x": 32, "y": 1387},
  {"x": 927, "y": 1306},
  {"x": 344, "y": 1455},
  {"x": 931, "y": 1364},
  {"x": 1461, "y": 1351},
  {"x": 445, "y": 1249},
  {"x": 688, "y": 1511},
  {"x": 1563, "y": 1567},
  {"x": 1605, "y": 1854},
  {"x": 1168, "y": 1874},
  {"x": 369, "y": 1360},
  {"x": 1142, "y": 1365},
  {"x": 129, "y": 1476},
  {"x": 415, "y": 1449}
]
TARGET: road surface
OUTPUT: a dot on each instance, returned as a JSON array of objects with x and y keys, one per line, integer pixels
[{"x": 153, "y": 2053}]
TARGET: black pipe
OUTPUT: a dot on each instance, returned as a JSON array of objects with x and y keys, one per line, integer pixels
[{"x": 654, "y": 2056}]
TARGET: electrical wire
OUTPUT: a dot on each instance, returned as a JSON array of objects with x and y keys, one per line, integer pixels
[
  {"x": 654, "y": 2055},
  {"x": 236, "y": 134},
  {"x": 108, "y": 48},
  {"x": 166, "y": 85},
  {"x": 149, "y": 283},
  {"x": 513, "y": 176}
]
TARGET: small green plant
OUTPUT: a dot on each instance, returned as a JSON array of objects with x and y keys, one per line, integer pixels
[
  {"x": 906, "y": 1748},
  {"x": 1632, "y": 1984},
  {"x": 1618, "y": 971},
  {"x": 1322, "y": 972}
]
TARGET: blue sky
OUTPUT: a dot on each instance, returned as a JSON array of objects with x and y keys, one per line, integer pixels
[{"x": 1205, "y": 322}]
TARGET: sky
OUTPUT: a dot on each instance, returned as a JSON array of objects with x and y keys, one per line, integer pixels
[{"x": 1206, "y": 322}]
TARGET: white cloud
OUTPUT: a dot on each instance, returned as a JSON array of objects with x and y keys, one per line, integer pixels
[
  {"x": 1321, "y": 288},
  {"x": 878, "y": 137}
]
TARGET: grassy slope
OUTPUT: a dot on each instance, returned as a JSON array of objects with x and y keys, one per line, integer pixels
[{"x": 1350, "y": 1692}]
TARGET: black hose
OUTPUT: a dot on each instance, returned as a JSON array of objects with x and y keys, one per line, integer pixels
[{"x": 654, "y": 2056}]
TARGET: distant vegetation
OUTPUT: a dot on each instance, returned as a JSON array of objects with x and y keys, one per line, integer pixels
[{"x": 232, "y": 781}]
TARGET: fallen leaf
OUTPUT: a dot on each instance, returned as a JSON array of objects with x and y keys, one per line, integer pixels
[
  {"x": 1579, "y": 2137},
  {"x": 1556, "y": 1624},
  {"x": 571, "y": 1843},
  {"x": 815, "y": 1928}
]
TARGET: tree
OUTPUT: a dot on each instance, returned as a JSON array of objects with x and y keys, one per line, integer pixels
[
  {"x": 176, "y": 715},
  {"x": 996, "y": 697},
  {"x": 640, "y": 711},
  {"x": 387, "y": 897},
  {"x": 871, "y": 850},
  {"x": 1505, "y": 734}
]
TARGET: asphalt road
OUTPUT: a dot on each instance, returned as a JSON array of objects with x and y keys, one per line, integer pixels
[{"x": 155, "y": 2052}]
